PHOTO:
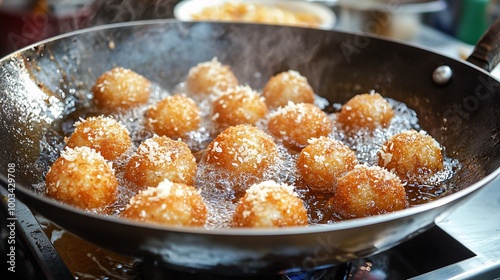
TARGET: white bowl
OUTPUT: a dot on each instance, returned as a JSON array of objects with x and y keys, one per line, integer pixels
[{"x": 185, "y": 10}]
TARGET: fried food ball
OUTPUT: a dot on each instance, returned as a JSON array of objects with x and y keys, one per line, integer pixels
[
  {"x": 365, "y": 111},
  {"x": 104, "y": 134},
  {"x": 323, "y": 161},
  {"x": 83, "y": 178},
  {"x": 269, "y": 204},
  {"x": 413, "y": 156},
  {"x": 287, "y": 86},
  {"x": 171, "y": 204},
  {"x": 121, "y": 88},
  {"x": 295, "y": 123},
  {"x": 244, "y": 152},
  {"x": 238, "y": 105},
  {"x": 159, "y": 158},
  {"x": 368, "y": 191},
  {"x": 210, "y": 77},
  {"x": 174, "y": 116}
]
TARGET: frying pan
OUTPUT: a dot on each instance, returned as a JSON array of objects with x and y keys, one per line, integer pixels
[{"x": 460, "y": 110}]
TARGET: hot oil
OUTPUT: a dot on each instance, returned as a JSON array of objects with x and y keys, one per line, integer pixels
[
  {"x": 219, "y": 192},
  {"x": 366, "y": 145},
  {"x": 213, "y": 184}
]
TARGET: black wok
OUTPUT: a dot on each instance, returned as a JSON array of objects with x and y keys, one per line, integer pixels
[{"x": 463, "y": 114}]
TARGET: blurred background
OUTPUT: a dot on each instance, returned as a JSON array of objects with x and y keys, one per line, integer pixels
[{"x": 24, "y": 22}]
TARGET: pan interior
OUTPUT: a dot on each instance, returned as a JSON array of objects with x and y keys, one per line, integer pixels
[{"x": 44, "y": 83}]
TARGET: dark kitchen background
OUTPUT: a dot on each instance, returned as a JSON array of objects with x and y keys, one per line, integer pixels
[
  {"x": 452, "y": 30},
  {"x": 24, "y": 22}
]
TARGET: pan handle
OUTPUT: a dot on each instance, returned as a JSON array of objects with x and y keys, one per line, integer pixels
[{"x": 486, "y": 54}]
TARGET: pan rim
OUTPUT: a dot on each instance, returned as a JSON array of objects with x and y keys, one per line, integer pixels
[
  {"x": 193, "y": 22},
  {"x": 293, "y": 230}
]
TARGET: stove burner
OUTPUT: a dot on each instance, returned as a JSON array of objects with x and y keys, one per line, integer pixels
[{"x": 433, "y": 251}]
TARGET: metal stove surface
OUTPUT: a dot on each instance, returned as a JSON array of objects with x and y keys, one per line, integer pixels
[
  {"x": 464, "y": 245},
  {"x": 475, "y": 226}
]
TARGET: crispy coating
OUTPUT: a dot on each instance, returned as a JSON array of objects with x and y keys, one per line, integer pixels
[
  {"x": 413, "y": 156},
  {"x": 121, "y": 88},
  {"x": 323, "y": 161},
  {"x": 171, "y": 204},
  {"x": 159, "y": 158},
  {"x": 209, "y": 78},
  {"x": 244, "y": 152},
  {"x": 174, "y": 116},
  {"x": 368, "y": 191},
  {"x": 238, "y": 105},
  {"x": 103, "y": 134},
  {"x": 82, "y": 177},
  {"x": 285, "y": 87},
  {"x": 269, "y": 204},
  {"x": 295, "y": 124},
  {"x": 365, "y": 111}
]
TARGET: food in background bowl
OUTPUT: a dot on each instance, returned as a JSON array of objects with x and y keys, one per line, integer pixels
[{"x": 298, "y": 13}]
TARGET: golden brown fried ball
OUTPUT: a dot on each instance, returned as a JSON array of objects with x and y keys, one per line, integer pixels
[
  {"x": 285, "y": 87},
  {"x": 121, "y": 88},
  {"x": 171, "y": 204},
  {"x": 238, "y": 105},
  {"x": 244, "y": 152},
  {"x": 323, "y": 161},
  {"x": 82, "y": 177},
  {"x": 368, "y": 191},
  {"x": 269, "y": 204},
  {"x": 413, "y": 156},
  {"x": 210, "y": 77},
  {"x": 159, "y": 158},
  {"x": 104, "y": 134},
  {"x": 174, "y": 116},
  {"x": 294, "y": 124},
  {"x": 365, "y": 111}
]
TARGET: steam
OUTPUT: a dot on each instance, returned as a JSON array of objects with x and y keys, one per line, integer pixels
[
  {"x": 273, "y": 50},
  {"x": 113, "y": 11}
]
